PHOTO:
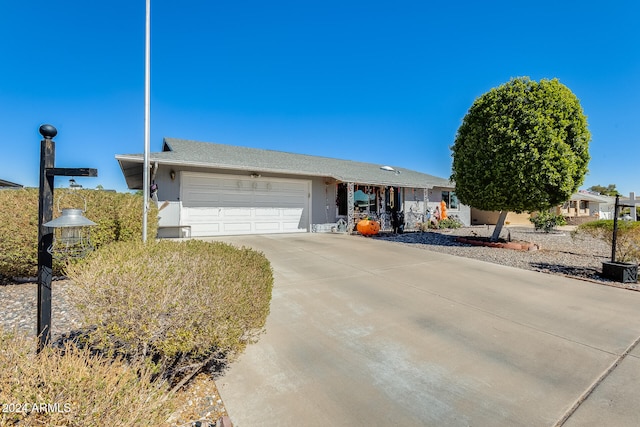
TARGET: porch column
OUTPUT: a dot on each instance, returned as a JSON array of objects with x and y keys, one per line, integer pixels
[
  {"x": 382, "y": 209},
  {"x": 425, "y": 201},
  {"x": 350, "y": 203}
]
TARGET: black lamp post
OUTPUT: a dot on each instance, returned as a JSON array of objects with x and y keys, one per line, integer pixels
[
  {"x": 45, "y": 234},
  {"x": 614, "y": 238},
  {"x": 619, "y": 271}
]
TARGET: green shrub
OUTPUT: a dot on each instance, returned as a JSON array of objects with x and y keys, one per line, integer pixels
[
  {"x": 627, "y": 240},
  {"x": 172, "y": 304},
  {"x": 449, "y": 222},
  {"x": 118, "y": 215},
  {"x": 81, "y": 389},
  {"x": 547, "y": 221}
]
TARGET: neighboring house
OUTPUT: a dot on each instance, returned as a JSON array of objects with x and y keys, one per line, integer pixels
[
  {"x": 601, "y": 207},
  {"x": 581, "y": 207},
  {"x": 606, "y": 209},
  {"x": 480, "y": 217},
  {"x": 8, "y": 184},
  {"x": 215, "y": 189}
]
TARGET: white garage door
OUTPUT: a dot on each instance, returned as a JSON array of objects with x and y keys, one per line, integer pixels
[{"x": 216, "y": 204}]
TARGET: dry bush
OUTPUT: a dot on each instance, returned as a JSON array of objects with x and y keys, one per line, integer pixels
[
  {"x": 175, "y": 305},
  {"x": 73, "y": 388},
  {"x": 118, "y": 215},
  {"x": 627, "y": 240},
  {"x": 18, "y": 232}
]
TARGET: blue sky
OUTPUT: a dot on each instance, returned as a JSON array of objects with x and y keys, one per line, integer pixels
[{"x": 381, "y": 82}]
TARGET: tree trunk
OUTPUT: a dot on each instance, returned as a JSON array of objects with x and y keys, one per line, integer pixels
[{"x": 499, "y": 225}]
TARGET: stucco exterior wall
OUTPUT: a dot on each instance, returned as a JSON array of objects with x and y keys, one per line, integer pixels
[
  {"x": 323, "y": 209},
  {"x": 480, "y": 217},
  {"x": 435, "y": 197}
]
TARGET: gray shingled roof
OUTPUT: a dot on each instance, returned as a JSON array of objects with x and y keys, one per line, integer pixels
[
  {"x": 220, "y": 156},
  {"x": 589, "y": 197}
]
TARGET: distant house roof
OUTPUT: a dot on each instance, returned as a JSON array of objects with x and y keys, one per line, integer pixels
[
  {"x": 589, "y": 197},
  {"x": 9, "y": 184},
  {"x": 181, "y": 152}
]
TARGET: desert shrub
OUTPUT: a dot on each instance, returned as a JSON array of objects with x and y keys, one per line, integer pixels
[
  {"x": 547, "y": 221},
  {"x": 174, "y": 305},
  {"x": 422, "y": 226},
  {"x": 18, "y": 232},
  {"x": 449, "y": 222},
  {"x": 80, "y": 389},
  {"x": 627, "y": 240},
  {"x": 118, "y": 217}
]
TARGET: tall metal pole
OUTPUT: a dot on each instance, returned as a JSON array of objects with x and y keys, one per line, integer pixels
[
  {"x": 147, "y": 128},
  {"x": 45, "y": 234}
]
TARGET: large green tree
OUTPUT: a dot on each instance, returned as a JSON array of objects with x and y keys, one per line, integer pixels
[{"x": 523, "y": 146}]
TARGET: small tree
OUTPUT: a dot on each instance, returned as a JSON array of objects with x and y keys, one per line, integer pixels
[
  {"x": 547, "y": 221},
  {"x": 523, "y": 146}
]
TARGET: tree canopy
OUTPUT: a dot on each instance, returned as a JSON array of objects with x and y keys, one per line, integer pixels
[
  {"x": 523, "y": 146},
  {"x": 609, "y": 190}
]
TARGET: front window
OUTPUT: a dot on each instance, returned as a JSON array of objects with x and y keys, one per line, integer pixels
[
  {"x": 365, "y": 200},
  {"x": 450, "y": 200}
]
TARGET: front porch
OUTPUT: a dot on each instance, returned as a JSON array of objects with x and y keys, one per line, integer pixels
[{"x": 403, "y": 207}]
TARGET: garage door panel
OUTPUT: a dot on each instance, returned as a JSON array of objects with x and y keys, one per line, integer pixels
[
  {"x": 291, "y": 213},
  {"x": 237, "y": 212},
  {"x": 237, "y": 227},
  {"x": 201, "y": 215},
  {"x": 284, "y": 201},
  {"x": 267, "y": 212},
  {"x": 208, "y": 229},
  {"x": 290, "y": 227},
  {"x": 268, "y": 227},
  {"x": 234, "y": 200},
  {"x": 237, "y": 205},
  {"x": 200, "y": 198}
]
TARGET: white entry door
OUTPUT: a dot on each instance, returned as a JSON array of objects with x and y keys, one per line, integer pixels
[{"x": 218, "y": 204}]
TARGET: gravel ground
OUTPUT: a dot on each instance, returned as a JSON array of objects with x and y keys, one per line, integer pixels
[{"x": 561, "y": 252}]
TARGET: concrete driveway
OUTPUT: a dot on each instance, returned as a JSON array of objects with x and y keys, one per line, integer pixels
[{"x": 372, "y": 333}]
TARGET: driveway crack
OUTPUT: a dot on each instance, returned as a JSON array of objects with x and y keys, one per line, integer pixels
[{"x": 584, "y": 396}]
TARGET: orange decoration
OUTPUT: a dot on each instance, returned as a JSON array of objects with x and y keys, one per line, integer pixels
[
  {"x": 443, "y": 210},
  {"x": 368, "y": 227}
]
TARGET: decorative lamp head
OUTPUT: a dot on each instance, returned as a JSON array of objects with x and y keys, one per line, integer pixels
[{"x": 71, "y": 237}]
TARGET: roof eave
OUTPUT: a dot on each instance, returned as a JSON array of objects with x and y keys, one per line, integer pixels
[{"x": 395, "y": 183}]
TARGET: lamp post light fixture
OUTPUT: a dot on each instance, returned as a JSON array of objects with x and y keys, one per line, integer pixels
[
  {"x": 45, "y": 234},
  {"x": 71, "y": 238}
]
